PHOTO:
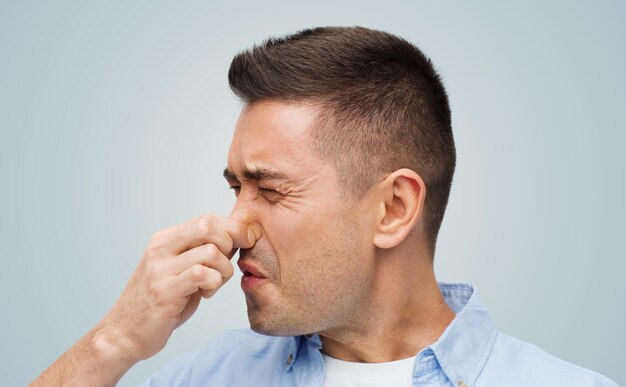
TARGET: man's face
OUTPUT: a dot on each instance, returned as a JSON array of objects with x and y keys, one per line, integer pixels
[{"x": 315, "y": 249}]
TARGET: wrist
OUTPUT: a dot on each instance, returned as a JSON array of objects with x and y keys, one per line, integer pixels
[
  {"x": 97, "y": 359},
  {"x": 113, "y": 349}
]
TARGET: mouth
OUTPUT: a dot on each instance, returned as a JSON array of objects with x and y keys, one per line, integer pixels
[
  {"x": 250, "y": 282},
  {"x": 248, "y": 269},
  {"x": 252, "y": 277}
]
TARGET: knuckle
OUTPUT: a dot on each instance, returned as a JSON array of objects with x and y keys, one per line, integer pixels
[
  {"x": 205, "y": 224},
  {"x": 157, "y": 243},
  {"x": 157, "y": 236},
  {"x": 212, "y": 250},
  {"x": 214, "y": 281},
  {"x": 152, "y": 251},
  {"x": 198, "y": 272}
]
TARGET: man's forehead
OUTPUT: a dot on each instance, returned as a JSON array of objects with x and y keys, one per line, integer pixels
[
  {"x": 273, "y": 124},
  {"x": 271, "y": 142}
]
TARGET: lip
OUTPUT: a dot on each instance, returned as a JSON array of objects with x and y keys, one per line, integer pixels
[
  {"x": 247, "y": 267},
  {"x": 252, "y": 277}
]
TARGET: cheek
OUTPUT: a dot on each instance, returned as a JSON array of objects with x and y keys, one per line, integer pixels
[
  {"x": 297, "y": 238},
  {"x": 291, "y": 236},
  {"x": 319, "y": 251}
]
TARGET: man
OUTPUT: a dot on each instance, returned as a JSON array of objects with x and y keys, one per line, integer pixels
[{"x": 342, "y": 162}]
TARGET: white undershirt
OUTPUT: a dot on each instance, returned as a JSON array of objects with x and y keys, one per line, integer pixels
[{"x": 341, "y": 373}]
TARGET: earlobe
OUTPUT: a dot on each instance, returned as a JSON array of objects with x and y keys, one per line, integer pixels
[{"x": 402, "y": 205}]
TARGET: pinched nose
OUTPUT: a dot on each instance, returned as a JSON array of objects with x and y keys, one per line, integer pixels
[
  {"x": 246, "y": 216},
  {"x": 256, "y": 229}
]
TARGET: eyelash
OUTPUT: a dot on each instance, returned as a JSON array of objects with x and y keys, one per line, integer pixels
[{"x": 266, "y": 190}]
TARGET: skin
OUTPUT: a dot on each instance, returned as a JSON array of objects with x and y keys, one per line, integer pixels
[
  {"x": 317, "y": 244},
  {"x": 180, "y": 265},
  {"x": 356, "y": 272}
]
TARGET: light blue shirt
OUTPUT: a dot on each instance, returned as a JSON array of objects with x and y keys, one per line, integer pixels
[{"x": 470, "y": 352}]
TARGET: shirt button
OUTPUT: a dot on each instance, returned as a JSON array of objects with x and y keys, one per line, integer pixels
[
  {"x": 462, "y": 384},
  {"x": 290, "y": 358}
]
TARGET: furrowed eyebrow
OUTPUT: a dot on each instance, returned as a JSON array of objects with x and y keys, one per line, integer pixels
[
  {"x": 257, "y": 174},
  {"x": 229, "y": 176}
]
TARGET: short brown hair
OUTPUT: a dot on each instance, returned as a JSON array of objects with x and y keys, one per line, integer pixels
[{"x": 383, "y": 105}]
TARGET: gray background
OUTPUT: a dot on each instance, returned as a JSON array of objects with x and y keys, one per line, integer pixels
[{"x": 116, "y": 119}]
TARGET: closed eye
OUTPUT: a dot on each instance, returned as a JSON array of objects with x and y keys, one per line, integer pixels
[
  {"x": 268, "y": 191},
  {"x": 270, "y": 194}
]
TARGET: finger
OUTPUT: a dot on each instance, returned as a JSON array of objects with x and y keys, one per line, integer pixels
[
  {"x": 207, "y": 255},
  {"x": 258, "y": 232},
  {"x": 207, "y": 293},
  {"x": 241, "y": 234},
  {"x": 197, "y": 277},
  {"x": 225, "y": 233},
  {"x": 190, "y": 308}
]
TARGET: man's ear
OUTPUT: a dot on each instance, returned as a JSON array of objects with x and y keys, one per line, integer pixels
[{"x": 401, "y": 207}]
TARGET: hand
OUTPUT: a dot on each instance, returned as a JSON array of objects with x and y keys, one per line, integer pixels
[{"x": 180, "y": 265}]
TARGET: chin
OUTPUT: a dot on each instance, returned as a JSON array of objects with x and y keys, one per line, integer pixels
[
  {"x": 268, "y": 329},
  {"x": 273, "y": 326}
]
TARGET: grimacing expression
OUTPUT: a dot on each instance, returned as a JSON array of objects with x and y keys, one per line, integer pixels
[{"x": 315, "y": 248}]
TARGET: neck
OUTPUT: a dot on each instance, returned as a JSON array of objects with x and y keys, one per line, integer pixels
[{"x": 404, "y": 313}]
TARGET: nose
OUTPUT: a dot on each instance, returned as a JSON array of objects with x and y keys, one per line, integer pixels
[
  {"x": 240, "y": 213},
  {"x": 241, "y": 210},
  {"x": 244, "y": 211}
]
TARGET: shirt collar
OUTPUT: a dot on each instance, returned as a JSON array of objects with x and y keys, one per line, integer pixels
[
  {"x": 463, "y": 347},
  {"x": 299, "y": 344}
]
